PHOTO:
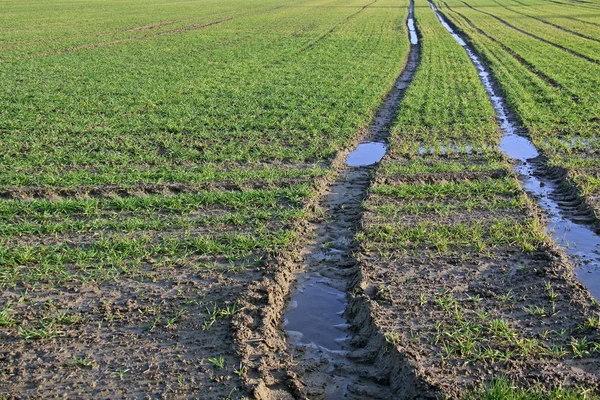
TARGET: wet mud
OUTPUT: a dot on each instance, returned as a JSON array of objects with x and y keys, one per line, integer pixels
[{"x": 321, "y": 327}]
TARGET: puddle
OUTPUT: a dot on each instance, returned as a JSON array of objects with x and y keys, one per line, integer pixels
[
  {"x": 412, "y": 31},
  {"x": 518, "y": 147},
  {"x": 315, "y": 314},
  {"x": 368, "y": 153},
  {"x": 577, "y": 240}
]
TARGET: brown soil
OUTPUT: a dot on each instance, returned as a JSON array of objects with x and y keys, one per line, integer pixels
[
  {"x": 425, "y": 300},
  {"x": 134, "y": 338}
]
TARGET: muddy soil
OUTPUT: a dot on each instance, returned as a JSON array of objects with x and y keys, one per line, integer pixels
[
  {"x": 152, "y": 337},
  {"x": 463, "y": 317},
  {"x": 150, "y": 326}
]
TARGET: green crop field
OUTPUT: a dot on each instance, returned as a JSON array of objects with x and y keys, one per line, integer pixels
[{"x": 162, "y": 162}]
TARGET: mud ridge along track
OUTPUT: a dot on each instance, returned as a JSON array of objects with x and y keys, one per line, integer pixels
[{"x": 363, "y": 367}]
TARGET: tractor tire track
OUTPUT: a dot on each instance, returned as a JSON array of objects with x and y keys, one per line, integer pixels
[
  {"x": 365, "y": 367},
  {"x": 135, "y": 38},
  {"x": 564, "y": 16}
]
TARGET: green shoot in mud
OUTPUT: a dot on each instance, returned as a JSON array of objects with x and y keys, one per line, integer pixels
[
  {"x": 503, "y": 389},
  {"x": 82, "y": 362},
  {"x": 218, "y": 362}
]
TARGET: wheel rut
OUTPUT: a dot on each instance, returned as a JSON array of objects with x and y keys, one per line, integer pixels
[
  {"x": 569, "y": 223},
  {"x": 336, "y": 349}
]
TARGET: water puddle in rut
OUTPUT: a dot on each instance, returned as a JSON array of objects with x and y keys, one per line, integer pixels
[
  {"x": 412, "y": 31},
  {"x": 578, "y": 240},
  {"x": 367, "y": 153},
  {"x": 314, "y": 316}
]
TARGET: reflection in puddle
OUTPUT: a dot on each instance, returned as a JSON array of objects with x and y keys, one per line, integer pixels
[
  {"x": 414, "y": 39},
  {"x": 314, "y": 315},
  {"x": 577, "y": 240},
  {"x": 518, "y": 147},
  {"x": 368, "y": 153}
]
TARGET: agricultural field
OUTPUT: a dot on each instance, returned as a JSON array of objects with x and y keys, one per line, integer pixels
[
  {"x": 462, "y": 276},
  {"x": 153, "y": 163},
  {"x": 169, "y": 169}
]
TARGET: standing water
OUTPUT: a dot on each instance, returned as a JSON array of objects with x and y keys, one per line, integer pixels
[
  {"x": 367, "y": 153},
  {"x": 578, "y": 240}
]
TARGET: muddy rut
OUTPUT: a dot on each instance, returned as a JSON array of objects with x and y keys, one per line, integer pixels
[
  {"x": 331, "y": 349},
  {"x": 570, "y": 221},
  {"x": 334, "y": 357}
]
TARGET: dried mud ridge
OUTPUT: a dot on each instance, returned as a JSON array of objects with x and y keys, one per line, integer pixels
[
  {"x": 365, "y": 367},
  {"x": 109, "y": 191}
]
